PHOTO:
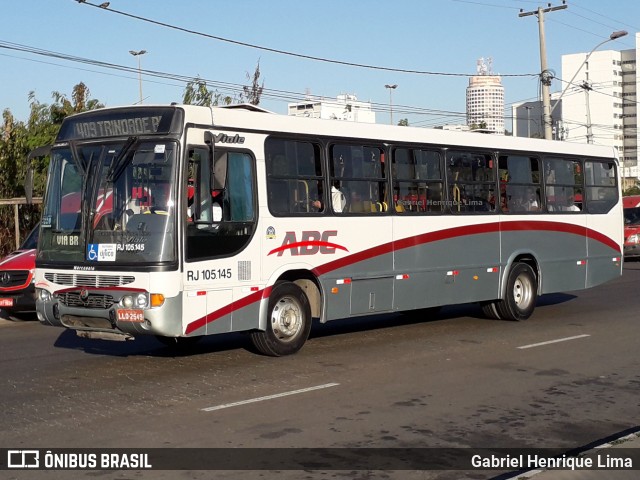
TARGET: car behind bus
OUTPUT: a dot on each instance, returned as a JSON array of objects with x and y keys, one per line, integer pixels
[
  {"x": 631, "y": 206},
  {"x": 17, "y": 299}
]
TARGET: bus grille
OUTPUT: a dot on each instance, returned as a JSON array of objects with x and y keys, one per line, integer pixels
[
  {"x": 78, "y": 280},
  {"x": 94, "y": 300}
]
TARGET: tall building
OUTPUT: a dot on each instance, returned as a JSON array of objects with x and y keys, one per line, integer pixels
[
  {"x": 345, "y": 107},
  {"x": 485, "y": 99},
  {"x": 600, "y": 106}
]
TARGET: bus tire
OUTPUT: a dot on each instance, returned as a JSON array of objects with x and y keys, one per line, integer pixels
[
  {"x": 490, "y": 310},
  {"x": 288, "y": 322},
  {"x": 520, "y": 293}
]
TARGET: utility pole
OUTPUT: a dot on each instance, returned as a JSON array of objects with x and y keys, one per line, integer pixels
[
  {"x": 545, "y": 75},
  {"x": 586, "y": 86}
]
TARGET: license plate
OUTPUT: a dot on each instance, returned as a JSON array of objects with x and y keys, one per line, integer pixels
[
  {"x": 6, "y": 302},
  {"x": 130, "y": 315}
]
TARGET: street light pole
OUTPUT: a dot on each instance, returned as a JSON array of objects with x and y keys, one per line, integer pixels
[
  {"x": 138, "y": 54},
  {"x": 391, "y": 89}
]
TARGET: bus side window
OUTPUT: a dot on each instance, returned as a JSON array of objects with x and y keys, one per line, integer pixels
[{"x": 295, "y": 181}]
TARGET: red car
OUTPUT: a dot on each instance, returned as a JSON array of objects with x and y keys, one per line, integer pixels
[
  {"x": 631, "y": 206},
  {"x": 16, "y": 280}
]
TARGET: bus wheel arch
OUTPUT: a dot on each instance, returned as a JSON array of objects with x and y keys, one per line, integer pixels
[
  {"x": 310, "y": 285},
  {"x": 520, "y": 290},
  {"x": 289, "y": 315}
]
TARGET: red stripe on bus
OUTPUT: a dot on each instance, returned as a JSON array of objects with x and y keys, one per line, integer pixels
[
  {"x": 227, "y": 309},
  {"x": 314, "y": 243},
  {"x": 532, "y": 225}
]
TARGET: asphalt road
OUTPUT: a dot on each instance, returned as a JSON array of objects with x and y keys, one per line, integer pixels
[{"x": 566, "y": 378}]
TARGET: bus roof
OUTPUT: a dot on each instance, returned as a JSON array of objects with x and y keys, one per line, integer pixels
[{"x": 250, "y": 117}]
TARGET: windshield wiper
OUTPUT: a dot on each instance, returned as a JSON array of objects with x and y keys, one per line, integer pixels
[
  {"x": 76, "y": 159},
  {"x": 119, "y": 162}
]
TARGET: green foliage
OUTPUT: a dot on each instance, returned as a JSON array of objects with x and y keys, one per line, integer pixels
[
  {"x": 251, "y": 94},
  {"x": 478, "y": 126},
  {"x": 17, "y": 139},
  {"x": 404, "y": 122},
  {"x": 635, "y": 190},
  {"x": 197, "y": 93}
]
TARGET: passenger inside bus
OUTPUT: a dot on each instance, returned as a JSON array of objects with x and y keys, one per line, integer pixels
[
  {"x": 523, "y": 199},
  {"x": 338, "y": 200}
]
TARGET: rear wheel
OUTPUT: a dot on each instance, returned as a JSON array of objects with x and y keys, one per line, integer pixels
[
  {"x": 520, "y": 294},
  {"x": 490, "y": 310},
  {"x": 288, "y": 322}
]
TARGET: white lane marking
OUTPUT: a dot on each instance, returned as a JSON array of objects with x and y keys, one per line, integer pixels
[
  {"x": 269, "y": 397},
  {"x": 553, "y": 341}
]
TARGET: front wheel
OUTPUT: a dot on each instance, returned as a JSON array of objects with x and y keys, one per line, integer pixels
[
  {"x": 520, "y": 294},
  {"x": 288, "y": 322}
]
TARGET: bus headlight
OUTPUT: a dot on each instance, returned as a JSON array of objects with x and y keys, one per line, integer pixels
[
  {"x": 141, "y": 300},
  {"x": 44, "y": 295},
  {"x": 127, "y": 301},
  {"x": 633, "y": 238}
]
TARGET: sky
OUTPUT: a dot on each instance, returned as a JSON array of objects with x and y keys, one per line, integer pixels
[{"x": 428, "y": 48}]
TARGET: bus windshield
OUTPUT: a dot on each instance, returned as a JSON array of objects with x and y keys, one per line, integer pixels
[{"x": 130, "y": 186}]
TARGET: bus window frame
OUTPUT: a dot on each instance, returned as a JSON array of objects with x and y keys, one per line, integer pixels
[
  {"x": 383, "y": 149},
  {"x": 187, "y": 259},
  {"x": 449, "y": 208},
  {"x": 320, "y": 147},
  {"x": 393, "y": 180}
]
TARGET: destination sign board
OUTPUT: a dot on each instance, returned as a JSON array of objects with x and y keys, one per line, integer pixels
[{"x": 124, "y": 122}]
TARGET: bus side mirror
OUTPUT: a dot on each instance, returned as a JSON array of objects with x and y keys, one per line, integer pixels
[
  {"x": 28, "y": 180},
  {"x": 219, "y": 179},
  {"x": 28, "y": 184},
  {"x": 219, "y": 170}
]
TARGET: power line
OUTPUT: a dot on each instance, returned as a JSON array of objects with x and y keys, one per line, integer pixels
[
  {"x": 291, "y": 54},
  {"x": 232, "y": 88}
]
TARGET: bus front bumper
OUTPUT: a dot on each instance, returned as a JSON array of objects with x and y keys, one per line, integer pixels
[{"x": 112, "y": 322}]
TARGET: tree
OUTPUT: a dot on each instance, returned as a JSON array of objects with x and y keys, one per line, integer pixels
[
  {"x": 404, "y": 122},
  {"x": 251, "y": 94},
  {"x": 18, "y": 138},
  {"x": 635, "y": 190},
  {"x": 197, "y": 93},
  {"x": 80, "y": 102},
  {"x": 478, "y": 126}
]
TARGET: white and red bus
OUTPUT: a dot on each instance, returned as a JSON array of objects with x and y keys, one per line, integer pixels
[{"x": 234, "y": 219}]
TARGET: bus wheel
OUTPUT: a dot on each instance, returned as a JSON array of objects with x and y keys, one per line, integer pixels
[
  {"x": 288, "y": 322},
  {"x": 490, "y": 310},
  {"x": 520, "y": 294}
]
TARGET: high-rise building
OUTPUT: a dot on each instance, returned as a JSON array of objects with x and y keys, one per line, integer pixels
[
  {"x": 485, "y": 99},
  {"x": 600, "y": 105}
]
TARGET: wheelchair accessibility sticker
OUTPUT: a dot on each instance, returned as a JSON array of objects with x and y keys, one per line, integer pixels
[{"x": 101, "y": 252}]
